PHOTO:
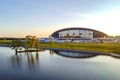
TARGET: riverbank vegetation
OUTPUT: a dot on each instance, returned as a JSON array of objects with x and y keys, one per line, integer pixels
[
  {"x": 100, "y": 47},
  {"x": 29, "y": 44},
  {"x": 5, "y": 41},
  {"x": 32, "y": 42}
]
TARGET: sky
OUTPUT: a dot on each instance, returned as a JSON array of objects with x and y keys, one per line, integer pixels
[{"x": 41, "y": 18}]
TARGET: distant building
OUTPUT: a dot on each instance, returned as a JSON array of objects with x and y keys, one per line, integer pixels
[
  {"x": 117, "y": 39},
  {"x": 78, "y": 35}
]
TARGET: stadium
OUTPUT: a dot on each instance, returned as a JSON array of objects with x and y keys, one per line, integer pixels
[{"x": 77, "y": 35}]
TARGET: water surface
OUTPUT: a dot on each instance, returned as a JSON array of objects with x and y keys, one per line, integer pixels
[{"x": 48, "y": 65}]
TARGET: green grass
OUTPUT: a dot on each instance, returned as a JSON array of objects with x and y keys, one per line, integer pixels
[
  {"x": 5, "y": 41},
  {"x": 100, "y": 47}
]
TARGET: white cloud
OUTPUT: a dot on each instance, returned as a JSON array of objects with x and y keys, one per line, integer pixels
[{"x": 108, "y": 22}]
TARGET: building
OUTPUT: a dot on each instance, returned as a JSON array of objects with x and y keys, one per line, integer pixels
[{"x": 78, "y": 35}]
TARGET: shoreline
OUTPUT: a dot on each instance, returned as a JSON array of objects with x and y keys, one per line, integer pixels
[
  {"x": 79, "y": 51},
  {"x": 71, "y": 50},
  {"x": 85, "y": 51}
]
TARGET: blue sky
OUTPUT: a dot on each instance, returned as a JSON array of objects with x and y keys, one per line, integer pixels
[{"x": 19, "y": 18}]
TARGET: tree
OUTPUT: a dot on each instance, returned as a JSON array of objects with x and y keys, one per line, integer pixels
[
  {"x": 32, "y": 42},
  {"x": 37, "y": 44},
  {"x": 17, "y": 45},
  {"x": 51, "y": 42},
  {"x": 29, "y": 43}
]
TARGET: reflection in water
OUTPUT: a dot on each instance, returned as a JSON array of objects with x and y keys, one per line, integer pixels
[
  {"x": 16, "y": 61},
  {"x": 30, "y": 60},
  {"x": 51, "y": 52},
  {"x": 81, "y": 54},
  {"x": 75, "y": 54},
  {"x": 42, "y": 66}
]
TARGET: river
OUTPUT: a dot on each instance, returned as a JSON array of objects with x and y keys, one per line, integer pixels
[{"x": 54, "y": 65}]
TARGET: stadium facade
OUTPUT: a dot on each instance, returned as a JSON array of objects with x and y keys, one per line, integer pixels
[{"x": 76, "y": 35}]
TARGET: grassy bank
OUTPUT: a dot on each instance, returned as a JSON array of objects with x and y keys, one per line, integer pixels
[
  {"x": 101, "y": 47},
  {"x": 5, "y": 41}
]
